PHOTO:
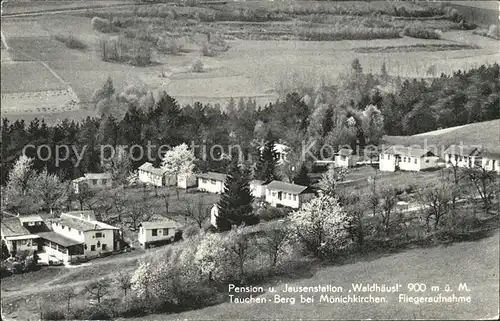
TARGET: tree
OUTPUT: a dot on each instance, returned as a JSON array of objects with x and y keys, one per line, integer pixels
[
  {"x": 214, "y": 259},
  {"x": 484, "y": 182},
  {"x": 179, "y": 161},
  {"x": 273, "y": 242},
  {"x": 265, "y": 169},
  {"x": 388, "y": 203},
  {"x": 302, "y": 178},
  {"x": 322, "y": 226},
  {"x": 239, "y": 243},
  {"x": 140, "y": 211},
  {"x": 331, "y": 178},
  {"x": 141, "y": 280},
  {"x": 19, "y": 190},
  {"x": 67, "y": 294},
  {"x": 356, "y": 66},
  {"x": 436, "y": 201},
  {"x": 98, "y": 289},
  {"x": 384, "y": 73},
  {"x": 235, "y": 204},
  {"x": 123, "y": 281},
  {"x": 197, "y": 211},
  {"x": 5, "y": 251},
  {"x": 84, "y": 195},
  {"x": 120, "y": 166},
  {"x": 106, "y": 92},
  {"x": 372, "y": 124},
  {"x": 49, "y": 189}
]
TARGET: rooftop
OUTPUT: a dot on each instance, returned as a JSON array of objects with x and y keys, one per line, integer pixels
[
  {"x": 462, "y": 150},
  {"x": 213, "y": 175},
  {"x": 88, "y": 176},
  {"x": 148, "y": 167},
  {"x": 166, "y": 223},
  {"x": 12, "y": 226},
  {"x": 345, "y": 152},
  {"x": 286, "y": 187},
  {"x": 84, "y": 222},
  {"x": 59, "y": 239},
  {"x": 408, "y": 151},
  {"x": 30, "y": 218}
]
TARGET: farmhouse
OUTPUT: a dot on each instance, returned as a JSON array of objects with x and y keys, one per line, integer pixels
[
  {"x": 491, "y": 160},
  {"x": 94, "y": 181},
  {"x": 462, "y": 156},
  {"x": 82, "y": 229},
  {"x": 211, "y": 182},
  {"x": 17, "y": 236},
  {"x": 345, "y": 158},
  {"x": 281, "y": 150},
  {"x": 286, "y": 194},
  {"x": 407, "y": 159},
  {"x": 151, "y": 175},
  {"x": 257, "y": 188},
  {"x": 158, "y": 232}
]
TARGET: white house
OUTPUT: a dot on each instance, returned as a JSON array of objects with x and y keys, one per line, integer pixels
[
  {"x": 211, "y": 182},
  {"x": 258, "y": 188},
  {"x": 94, "y": 181},
  {"x": 345, "y": 158},
  {"x": 407, "y": 159},
  {"x": 81, "y": 228},
  {"x": 16, "y": 236},
  {"x": 491, "y": 161},
  {"x": 149, "y": 174},
  {"x": 462, "y": 156},
  {"x": 158, "y": 232},
  {"x": 281, "y": 151},
  {"x": 286, "y": 194}
]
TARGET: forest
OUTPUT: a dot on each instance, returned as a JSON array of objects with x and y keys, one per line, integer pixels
[{"x": 358, "y": 111}]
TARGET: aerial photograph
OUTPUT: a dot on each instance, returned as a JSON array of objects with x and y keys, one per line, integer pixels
[{"x": 250, "y": 160}]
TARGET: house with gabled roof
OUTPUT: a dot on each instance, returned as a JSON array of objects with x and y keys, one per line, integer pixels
[
  {"x": 287, "y": 194},
  {"x": 490, "y": 160},
  {"x": 159, "y": 232},
  {"x": 93, "y": 181},
  {"x": 211, "y": 182},
  {"x": 462, "y": 156},
  {"x": 17, "y": 236},
  {"x": 345, "y": 157},
  {"x": 407, "y": 159},
  {"x": 151, "y": 175},
  {"x": 81, "y": 228}
]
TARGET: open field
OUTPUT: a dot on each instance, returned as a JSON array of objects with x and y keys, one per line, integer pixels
[
  {"x": 31, "y": 76},
  {"x": 250, "y": 68},
  {"x": 484, "y": 134},
  {"x": 473, "y": 263},
  {"x": 22, "y": 7}
]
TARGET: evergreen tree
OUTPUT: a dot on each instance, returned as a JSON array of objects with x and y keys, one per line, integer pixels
[
  {"x": 302, "y": 178},
  {"x": 327, "y": 123},
  {"x": 235, "y": 205},
  {"x": 265, "y": 169}
]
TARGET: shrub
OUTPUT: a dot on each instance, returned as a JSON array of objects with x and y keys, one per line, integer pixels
[
  {"x": 417, "y": 30},
  {"x": 103, "y": 25},
  {"x": 197, "y": 66},
  {"x": 206, "y": 50},
  {"x": 52, "y": 313},
  {"x": 71, "y": 41},
  {"x": 272, "y": 213},
  {"x": 170, "y": 45},
  {"x": 190, "y": 231}
]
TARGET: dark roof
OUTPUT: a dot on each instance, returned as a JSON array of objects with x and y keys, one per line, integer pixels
[
  {"x": 462, "y": 150},
  {"x": 408, "y": 151},
  {"x": 213, "y": 175},
  {"x": 58, "y": 239},
  {"x": 345, "y": 152},
  {"x": 12, "y": 226},
  {"x": 165, "y": 223},
  {"x": 490, "y": 153},
  {"x": 286, "y": 187}
]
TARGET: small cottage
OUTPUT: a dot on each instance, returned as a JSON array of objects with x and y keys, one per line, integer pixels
[
  {"x": 211, "y": 182},
  {"x": 16, "y": 235},
  {"x": 286, "y": 194},
  {"x": 93, "y": 181},
  {"x": 151, "y": 175},
  {"x": 158, "y": 232},
  {"x": 491, "y": 160},
  {"x": 407, "y": 159},
  {"x": 462, "y": 156},
  {"x": 281, "y": 151},
  {"x": 345, "y": 158}
]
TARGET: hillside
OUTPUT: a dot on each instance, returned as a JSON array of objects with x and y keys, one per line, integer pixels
[{"x": 486, "y": 134}]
